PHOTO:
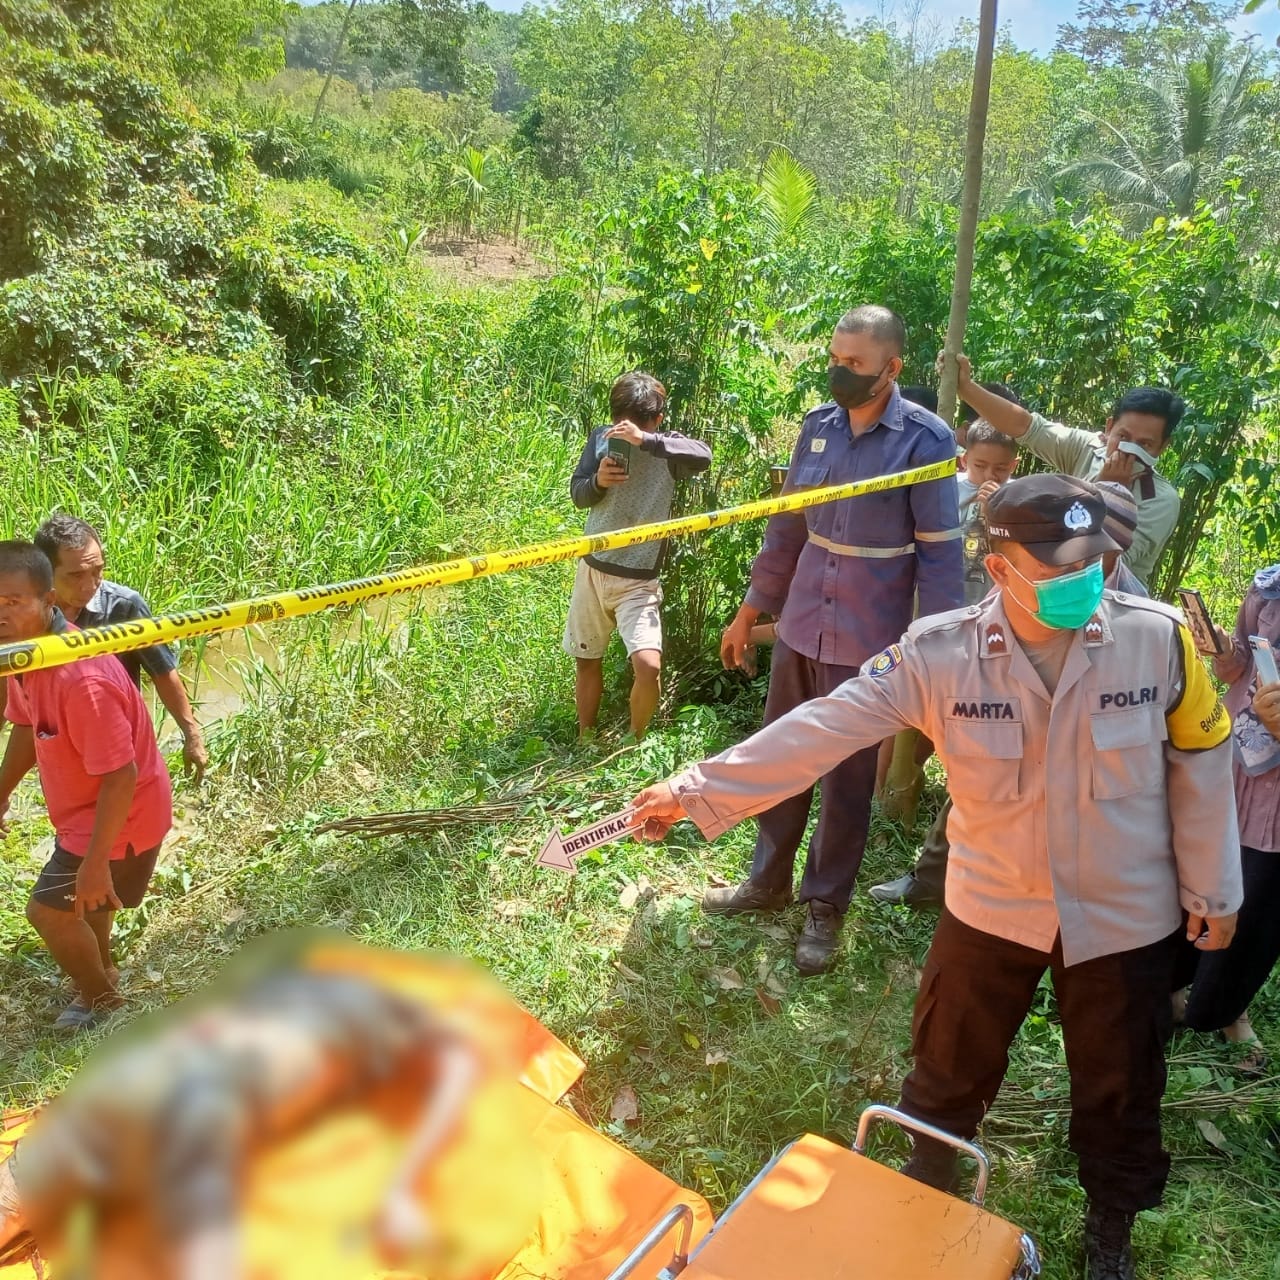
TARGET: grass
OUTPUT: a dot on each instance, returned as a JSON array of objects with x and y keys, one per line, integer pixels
[
  {"x": 618, "y": 961},
  {"x": 464, "y": 701}
]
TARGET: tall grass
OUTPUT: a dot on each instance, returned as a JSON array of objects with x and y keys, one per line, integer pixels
[{"x": 380, "y": 492}]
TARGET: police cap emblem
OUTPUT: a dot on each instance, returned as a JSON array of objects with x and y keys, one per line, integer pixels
[{"x": 1077, "y": 518}]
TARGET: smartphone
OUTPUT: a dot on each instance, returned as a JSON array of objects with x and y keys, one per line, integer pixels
[
  {"x": 620, "y": 452},
  {"x": 1203, "y": 632},
  {"x": 1264, "y": 658}
]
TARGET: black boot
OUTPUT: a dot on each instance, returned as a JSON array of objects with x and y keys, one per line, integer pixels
[
  {"x": 934, "y": 1164},
  {"x": 1107, "y": 1253}
]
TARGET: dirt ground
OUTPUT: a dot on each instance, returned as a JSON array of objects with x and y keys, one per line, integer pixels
[{"x": 474, "y": 260}]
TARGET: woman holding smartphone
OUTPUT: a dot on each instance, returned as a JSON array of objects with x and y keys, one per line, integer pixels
[{"x": 1226, "y": 981}]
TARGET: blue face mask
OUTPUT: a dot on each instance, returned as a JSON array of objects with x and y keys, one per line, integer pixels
[{"x": 1066, "y": 603}]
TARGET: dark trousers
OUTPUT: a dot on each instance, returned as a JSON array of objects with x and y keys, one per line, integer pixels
[
  {"x": 1226, "y": 981},
  {"x": 1116, "y": 1019},
  {"x": 840, "y": 838}
]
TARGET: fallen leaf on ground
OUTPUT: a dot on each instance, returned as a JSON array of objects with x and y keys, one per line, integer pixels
[
  {"x": 645, "y": 887},
  {"x": 628, "y": 973},
  {"x": 690, "y": 1039},
  {"x": 629, "y": 896},
  {"x": 768, "y": 1003},
  {"x": 764, "y": 968},
  {"x": 703, "y": 939},
  {"x": 773, "y": 985},
  {"x": 513, "y": 909},
  {"x": 727, "y": 979},
  {"x": 1212, "y": 1134},
  {"x": 234, "y": 916},
  {"x": 626, "y": 1106},
  {"x": 716, "y": 1057},
  {"x": 719, "y": 882},
  {"x": 777, "y": 932}
]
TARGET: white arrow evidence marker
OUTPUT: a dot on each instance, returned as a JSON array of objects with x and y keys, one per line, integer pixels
[{"x": 562, "y": 852}]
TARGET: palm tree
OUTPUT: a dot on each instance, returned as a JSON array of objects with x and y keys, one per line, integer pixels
[
  {"x": 470, "y": 174},
  {"x": 1196, "y": 116},
  {"x": 787, "y": 198}
]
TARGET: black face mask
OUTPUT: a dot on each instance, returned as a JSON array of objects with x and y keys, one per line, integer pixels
[{"x": 850, "y": 390}]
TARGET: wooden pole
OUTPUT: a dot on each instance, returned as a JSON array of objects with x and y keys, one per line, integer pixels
[
  {"x": 900, "y": 794},
  {"x": 970, "y": 201}
]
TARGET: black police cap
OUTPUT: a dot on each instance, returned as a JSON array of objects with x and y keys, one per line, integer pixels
[{"x": 1059, "y": 519}]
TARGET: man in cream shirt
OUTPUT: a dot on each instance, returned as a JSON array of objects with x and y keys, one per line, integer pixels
[{"x": 1138, "y": 431}]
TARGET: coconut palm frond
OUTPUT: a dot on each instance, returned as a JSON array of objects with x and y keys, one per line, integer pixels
[{"x": 788, "y": 196}]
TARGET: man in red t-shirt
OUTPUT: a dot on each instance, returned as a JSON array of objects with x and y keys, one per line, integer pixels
[{"x": 86, "y": 728}]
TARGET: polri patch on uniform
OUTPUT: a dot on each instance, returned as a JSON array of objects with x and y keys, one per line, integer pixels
[
  {"x": 885, "y": 662},
  {"x": 818, "y": 444}
]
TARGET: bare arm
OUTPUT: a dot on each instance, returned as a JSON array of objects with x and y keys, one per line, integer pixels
[
  {"x": 173, "y": 694},
  {"x": 404, "y": 1228},
  {"x": 1003, "y": 414},
  {"x": 115, "y": 798},
  {"x": 19, "y": 760}
]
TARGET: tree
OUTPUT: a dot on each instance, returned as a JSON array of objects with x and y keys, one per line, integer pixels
[
  {"x": 1195, "y": 118},
  {"x": 470, "y": 174},
  {"x": 788, "y": 198},
  {"x": 388, "y": 37},
  {"x": 1121, "y": 32}
]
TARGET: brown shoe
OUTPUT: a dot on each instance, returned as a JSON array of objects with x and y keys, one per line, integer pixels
[
  {"x": 738, "y": 899},
  {"x": 816, "y": 947}
]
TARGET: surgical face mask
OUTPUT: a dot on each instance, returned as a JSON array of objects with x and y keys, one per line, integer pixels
[
  {"x": 1067, "y": 602},
  {"x": 850, "y": 390}
]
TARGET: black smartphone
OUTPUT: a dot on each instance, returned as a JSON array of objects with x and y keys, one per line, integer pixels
[
  {"x": 620, "y": 452},
  {"x": 1203, "y": 632}
]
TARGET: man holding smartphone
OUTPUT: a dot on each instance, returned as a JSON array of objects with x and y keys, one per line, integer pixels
[
  {"x": 1138, "y": 431},
  {"x": 626, "y": 476}
]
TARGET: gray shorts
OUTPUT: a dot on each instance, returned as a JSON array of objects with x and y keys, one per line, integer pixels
[{"x": 130, "y": 876}]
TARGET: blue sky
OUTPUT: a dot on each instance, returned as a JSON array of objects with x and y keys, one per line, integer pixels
[{"x": 1034, "y": 23}]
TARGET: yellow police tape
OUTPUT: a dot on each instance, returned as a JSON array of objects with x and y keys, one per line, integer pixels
[{"x": 120, "y": 637}]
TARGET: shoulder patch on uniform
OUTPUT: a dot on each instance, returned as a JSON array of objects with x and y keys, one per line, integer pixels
[
  {"x": 1127, "y": 601},
  {"x": 919, "y": 416},
  {"x": 1199, "y": 721},
  {"x": 942, "y": 621},
  {"x": 885, "y": 662}
]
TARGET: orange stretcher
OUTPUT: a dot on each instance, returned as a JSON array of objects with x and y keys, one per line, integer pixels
[
  {"x": 831, "y": 1213},
  {"x": 540, "y": 1193}
]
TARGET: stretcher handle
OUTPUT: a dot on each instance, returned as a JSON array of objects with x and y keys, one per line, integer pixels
[
  {"x": 878, "y": 1111},
  {"x": 680, "y": 1216}
]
